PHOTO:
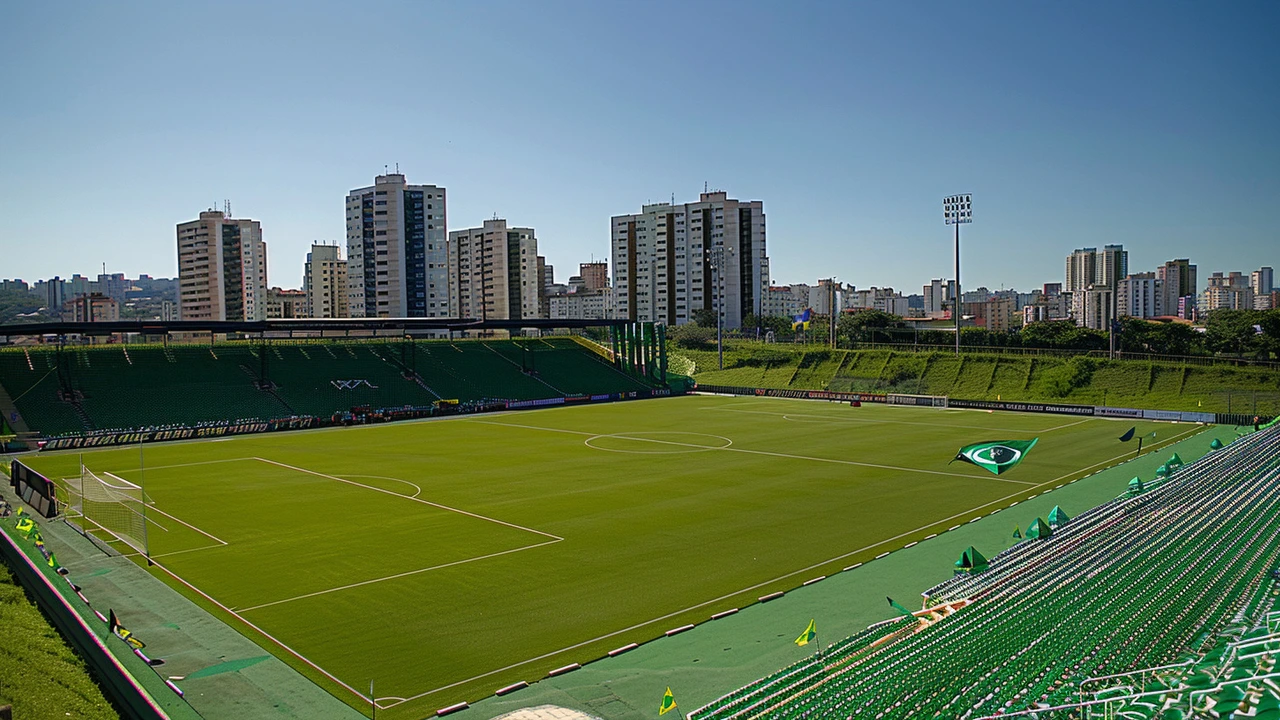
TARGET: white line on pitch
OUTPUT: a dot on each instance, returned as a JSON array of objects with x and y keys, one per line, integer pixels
[
  {"x": 624, "y": 436},
  {"x": 399, "y": 575},
  {"x": 212, "y": 537},
  {"x": 406, "y": 497},
  {"x": 753, "y": 587},
  {"x": 872, "y": 421}
]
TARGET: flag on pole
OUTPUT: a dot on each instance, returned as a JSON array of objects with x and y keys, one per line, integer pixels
[
  {"x": 996, "y": 455},
  {"x": 119, "y": 631},
  {"x": 809, "y": 633},
  {"x": 1128, "y": 435},
  {"x": 900, "y": 609},
  {"x": 668, "y": 702},
  {"x": 801, "y": 321}
]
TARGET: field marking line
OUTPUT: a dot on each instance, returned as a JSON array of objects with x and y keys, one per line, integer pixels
[
  {"x": 384, "y": 477},
  {"x": 182, "y": 465},
  {"x": 406, "y": 497},
  {"x": 855, "y": 463},
  {"x": 211, "y": 536},
  {"x": 757, "y": 586},
  {"x": 180, "y": 552},
  {"x": 260, "y": 631},
  {"x": 398, "y": 575}
]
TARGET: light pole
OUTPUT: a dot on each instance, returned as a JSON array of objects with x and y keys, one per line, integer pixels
[
  {"x": 717, "y": 279},
  {"x": 957, "y": 209}
]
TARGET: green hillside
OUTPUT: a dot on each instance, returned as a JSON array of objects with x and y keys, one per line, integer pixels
[{"x": 979, "y": 376}]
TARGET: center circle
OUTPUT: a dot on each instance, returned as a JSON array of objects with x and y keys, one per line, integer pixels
[{"x": 658, "y": 442}]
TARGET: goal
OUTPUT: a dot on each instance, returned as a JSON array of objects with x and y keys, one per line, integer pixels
[
  {"x": 107, "y": 502},
  {"x": 934, "y": 401}
]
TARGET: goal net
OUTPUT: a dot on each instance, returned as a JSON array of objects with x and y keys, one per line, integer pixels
[
  {"x": 108, "y": 502},
  {"x": 935, "y": 401}
]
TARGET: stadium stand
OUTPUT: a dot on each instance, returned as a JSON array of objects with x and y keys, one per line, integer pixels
[
  {"x": 1160, "y": 604},
  {"x": 78, "y": 389}
]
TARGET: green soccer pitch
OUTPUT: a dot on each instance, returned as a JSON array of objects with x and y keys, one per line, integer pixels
[{"x": 444, "y": 559}]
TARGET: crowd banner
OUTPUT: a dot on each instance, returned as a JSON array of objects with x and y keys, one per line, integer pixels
[
  {"x": 1117, "y": 412},
  {"x": 1055, "y": 408},
  {"x": 789, "y": 393}
]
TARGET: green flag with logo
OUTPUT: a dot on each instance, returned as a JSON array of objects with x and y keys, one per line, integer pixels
[{"x": 996, "y": 455}]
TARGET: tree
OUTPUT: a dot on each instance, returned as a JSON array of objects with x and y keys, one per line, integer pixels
[
  {"x": 870, "y": 326},
  {"x": 1232, "y": 332},
  {"x": 692, "y": 336},
  {"x": 706, "y": 317}
]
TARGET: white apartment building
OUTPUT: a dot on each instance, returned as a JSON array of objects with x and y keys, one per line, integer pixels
[
  {"x": 1141, "y": 295},
  {"x": 664, "y": 258},
  {"x": 1231, "y": 292},
  {"x": 785, "y": 300},
  {"x": 582, "y": 305},
  {"x": 397, "y": 259},
  {"x": 1092, "y": 276},
  {"x": 324, "y": 280},
  {"x": 222, "y": 269},
  {"x": 937, "y": 296},
  {"x": 493, "y": 272}
]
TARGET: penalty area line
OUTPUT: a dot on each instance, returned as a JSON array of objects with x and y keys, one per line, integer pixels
[
  {"x": 410, "y": 498},
  {"x": 397, "y": 576}
]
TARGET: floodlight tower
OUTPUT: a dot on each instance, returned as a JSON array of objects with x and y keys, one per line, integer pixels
[
  {"x": 717, "y": 281},
  {"x": 957, "y": 209}
]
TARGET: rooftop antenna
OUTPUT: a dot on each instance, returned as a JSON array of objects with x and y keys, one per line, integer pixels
[
  {"x": 384, "y": 169},
  {"x": 704, "y": 186},
  {"x": 397, "y": 168},
  {"x": 228, "y": 208}
]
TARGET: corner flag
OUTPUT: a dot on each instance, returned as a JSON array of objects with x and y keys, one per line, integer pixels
[
  {"x": 668, "y": 702},
  {"x": 809, "y": 633}
]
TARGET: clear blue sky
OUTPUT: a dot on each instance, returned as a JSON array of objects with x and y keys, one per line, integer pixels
[{"x": 1155, "y": 125}]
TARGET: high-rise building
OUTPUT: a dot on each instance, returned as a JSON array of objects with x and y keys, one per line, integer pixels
[
  {"x": 222, "y": 269},
  {"x": 1141, "y": 295},
  {"x": 937, "y": 296},
  {"x": 397, "y": 259},
  {"x": 324, "y": 281},
  {"x": 664, "y": 259},
  {"x": 493, "y": 272},
  {"x": 1260, "y": 281},
  {"x": 1178, "y": 280},
  {"x": 1082, "y": 269},
  {"x": 595, "y": 275},
  {"x": 1231, "y": 292},
  {"x": 1099, "y": 272}
]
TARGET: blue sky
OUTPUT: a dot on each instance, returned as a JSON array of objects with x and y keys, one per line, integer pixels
[{"x": 1152, "y": 124}]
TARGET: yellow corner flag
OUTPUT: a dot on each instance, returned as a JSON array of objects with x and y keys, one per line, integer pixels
[
  {"x": 668, "y": 702},
  {"x": 809, "y": 633}
]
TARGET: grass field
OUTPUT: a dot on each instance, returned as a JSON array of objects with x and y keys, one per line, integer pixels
[{"x": 445, "y": 559}]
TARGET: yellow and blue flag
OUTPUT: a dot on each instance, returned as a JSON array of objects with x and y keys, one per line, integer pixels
[{"x": 801, "y": 321}]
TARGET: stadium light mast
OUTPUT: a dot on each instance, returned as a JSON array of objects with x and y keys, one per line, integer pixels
[
  {"x": 957, "y": 210},
  {"x": 717, "y": 279}
]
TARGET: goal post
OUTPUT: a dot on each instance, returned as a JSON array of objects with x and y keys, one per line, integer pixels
[
  {"x": 110, "y": 503},
  {"x": 933, "y": 401}
]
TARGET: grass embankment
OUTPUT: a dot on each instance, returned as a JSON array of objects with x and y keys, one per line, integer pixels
[
  {"x": 40, "y": 676},
  {"x": 978, "y": 376}
]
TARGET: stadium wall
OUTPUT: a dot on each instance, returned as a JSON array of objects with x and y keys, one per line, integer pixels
[
  {"x": 129, "y": 697},
  {"x": 1054, "y": 408}
]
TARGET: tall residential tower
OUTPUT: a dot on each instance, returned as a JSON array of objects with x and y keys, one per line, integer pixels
[
  {"x": 222, "y": 269},
  {"x": 667, "y": 257},
  {"x": 397, "y": 261}
]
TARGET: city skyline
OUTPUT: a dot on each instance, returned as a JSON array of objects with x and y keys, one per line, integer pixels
[{"x": 1146, "y": 126}]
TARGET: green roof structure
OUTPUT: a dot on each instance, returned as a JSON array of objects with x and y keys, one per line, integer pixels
[
  {"x": 1039, "y": 530},
  {"x": 971, "y": 561},
  {"x": 1057, "y": 518}
]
